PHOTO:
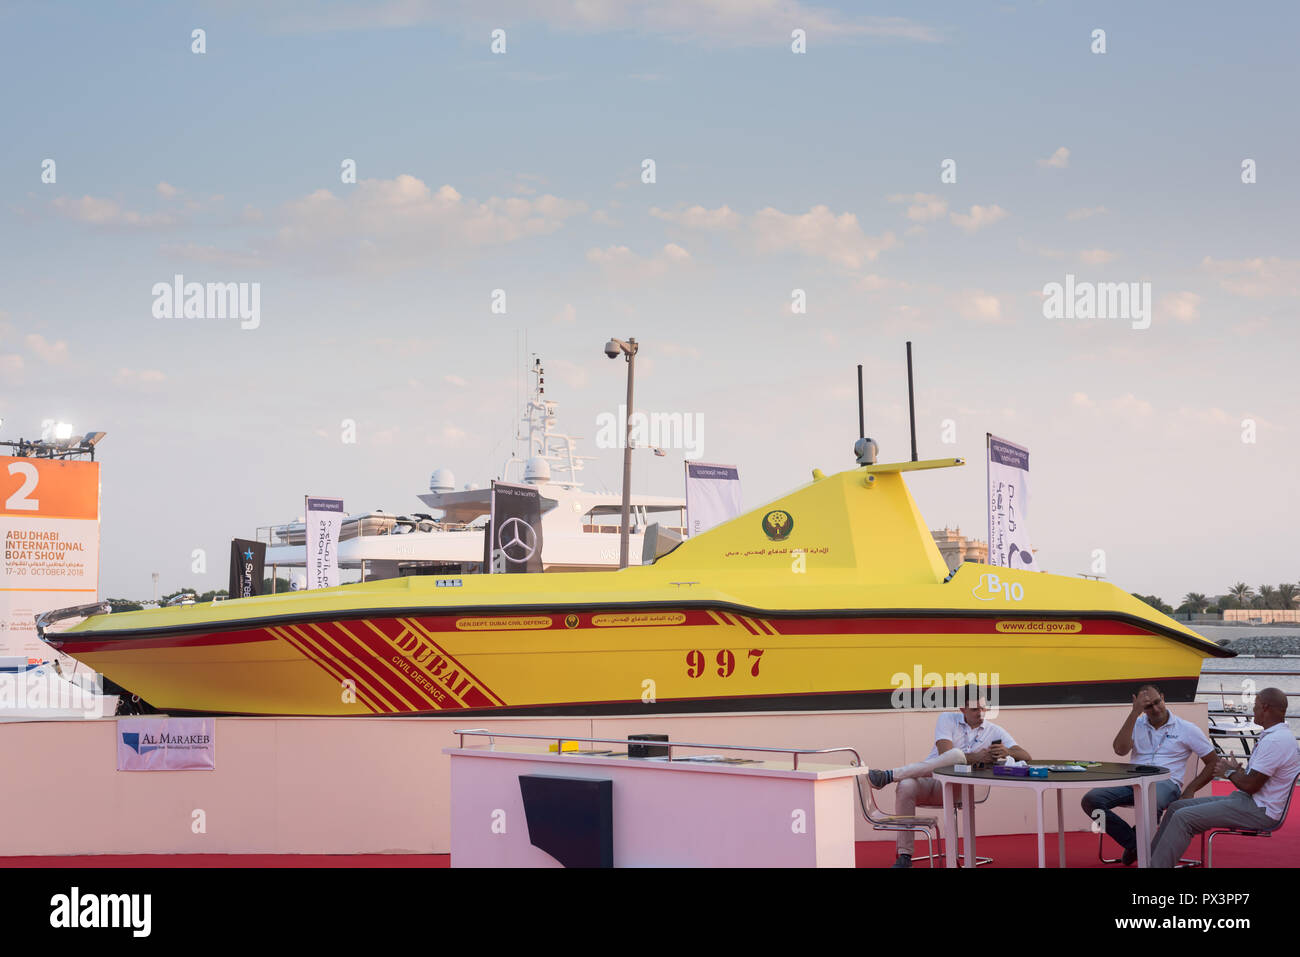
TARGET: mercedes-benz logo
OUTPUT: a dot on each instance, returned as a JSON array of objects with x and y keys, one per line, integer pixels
[{"x": 517, "y": 540}]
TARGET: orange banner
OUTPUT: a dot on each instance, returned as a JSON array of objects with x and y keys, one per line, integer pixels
[
  {"x": 47, "y": 488},
  {"x": 49, "y": 529}
]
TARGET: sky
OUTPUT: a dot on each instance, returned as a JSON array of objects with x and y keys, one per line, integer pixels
[{"x": 918, "y": 172}]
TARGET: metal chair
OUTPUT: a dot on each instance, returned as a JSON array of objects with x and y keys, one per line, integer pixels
[
  {"x": 980, "y": 859},
  {"x": 881, "y": 821},
  {"x": 1208, "y": 846},
  {"x": 1182, "y": 862}
]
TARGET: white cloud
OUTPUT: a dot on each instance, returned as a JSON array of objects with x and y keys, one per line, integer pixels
[
  {"x": 924, "y": 208},
  {"x": 980, "y": 306},
  {"x": 819, "y": 232},
  {"x": 1181, "y": 305},
  {"x": 875, "y": 283},
  {"x": 144, "y": 379},
  {"x": 107, "y": 212},
  {"x": 451, "y": 433},
  {"x": 1058, "y": 160},
  {"x": 48, "y": 351},
  {"x": 1256, "y": 278},
  {"x": 1085, "y": 213},
  {"x": 1125, "y": 406},
  {"x": 730, "y": 22},
  {"x": 455, "y": 380},
  {"x": 978, "y": 217},
  {"x": 1096, "y": 257},
  {"x": 566, "y": 315},
  {"x": 167, "y": 190},
  {"x": 11, "y": 365},
  {"x": 193, "y": 252},
  {"x": 403, "y": 221},
  {"x": 620, "y": 263},
  {"x": 697, "y": 217}
]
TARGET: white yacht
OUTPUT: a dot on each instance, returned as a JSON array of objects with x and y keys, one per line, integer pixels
[{"x": 580, "y": 528}]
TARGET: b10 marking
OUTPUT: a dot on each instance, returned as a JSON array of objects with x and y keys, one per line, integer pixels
[{"x": 991, "y": 586}]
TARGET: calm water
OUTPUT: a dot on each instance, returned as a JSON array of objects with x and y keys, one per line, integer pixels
[{"x": 1264, "y": 672}]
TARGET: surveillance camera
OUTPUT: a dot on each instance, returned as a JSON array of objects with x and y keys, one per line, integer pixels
[{"x": 611, "y": 349}]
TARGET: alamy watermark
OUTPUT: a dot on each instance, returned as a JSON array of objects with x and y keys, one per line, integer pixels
[
  {"x": 656, "y": 430},
  {"x": 1098, "y": 300},
  {"x": 179, "y": 299},
  {"x": 932, "y": 690},
  {"x": 41, "y": 691}
]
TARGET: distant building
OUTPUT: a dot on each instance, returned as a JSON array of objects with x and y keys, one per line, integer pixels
[{"x": 956, "y": 548}]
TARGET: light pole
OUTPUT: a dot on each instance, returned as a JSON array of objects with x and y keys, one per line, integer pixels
[{"x": 614, "y": 348}]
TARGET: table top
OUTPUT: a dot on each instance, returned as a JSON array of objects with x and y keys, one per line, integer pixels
[{"x": 1097, "y": 772}]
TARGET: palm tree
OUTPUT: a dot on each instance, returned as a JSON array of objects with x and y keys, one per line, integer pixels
[
  {"x": 1286, "y": 595},
  {"x": 1267, "y": 595},
  {"x": 1242, "y": 594},
  {"x": 1195, "y": 602}
]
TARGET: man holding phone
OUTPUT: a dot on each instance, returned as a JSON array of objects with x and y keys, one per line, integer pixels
[{"x": 960, "y": 737}]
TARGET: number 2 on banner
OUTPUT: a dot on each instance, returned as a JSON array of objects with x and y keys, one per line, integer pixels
[{"x": 19, "y": 501}]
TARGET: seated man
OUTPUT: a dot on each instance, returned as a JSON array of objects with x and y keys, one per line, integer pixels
[
  {"x": 960, "y": 737},
  {"x": 1262, "y": 787},
  {"x": 1153, "y": 736}
]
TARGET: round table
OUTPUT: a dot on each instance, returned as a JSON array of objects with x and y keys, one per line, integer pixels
[{"x": 1104, "y": 774}]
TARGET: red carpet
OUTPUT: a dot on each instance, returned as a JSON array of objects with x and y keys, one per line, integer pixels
[
  {"x": 1021, "y": 850},
  {"x": 1010, "y": 850}
]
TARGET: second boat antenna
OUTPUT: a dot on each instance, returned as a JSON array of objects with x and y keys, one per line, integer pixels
[{"x": 911, "y": 402}]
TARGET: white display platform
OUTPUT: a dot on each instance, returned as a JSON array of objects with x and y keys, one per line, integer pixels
[{"x": 681, "y": 813}]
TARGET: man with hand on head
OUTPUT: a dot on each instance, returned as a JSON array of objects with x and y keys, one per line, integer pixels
[
  {"x": 1153, "y": 736},
  {"x": 1263, "y": 787},
  {"x": 960, "y": 737}
]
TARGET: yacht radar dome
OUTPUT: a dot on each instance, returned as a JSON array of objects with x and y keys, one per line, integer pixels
[
  {"x": 537, "y": 471},
  {"x": 442, "y": 481}
]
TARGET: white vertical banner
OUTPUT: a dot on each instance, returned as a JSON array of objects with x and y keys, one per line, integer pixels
[
  {"x": 1008, "y": 498},
  {"x": 324, "y": 521},
  {"x": 712, "y": 495}
]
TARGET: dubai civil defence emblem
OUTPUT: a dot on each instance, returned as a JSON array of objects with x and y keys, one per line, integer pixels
[
  {"x": 571, "y": 621},
  {"x": 778, "y": 524}
]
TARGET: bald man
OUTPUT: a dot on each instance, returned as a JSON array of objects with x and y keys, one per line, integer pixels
[{"x": 1262, "y": 787}]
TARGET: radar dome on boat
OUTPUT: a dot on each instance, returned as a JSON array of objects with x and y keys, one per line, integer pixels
[
  {"x": 442, "y": 481},
  {"x": 537, "y": 471}
]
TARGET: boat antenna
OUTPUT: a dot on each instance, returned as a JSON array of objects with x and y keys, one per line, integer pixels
[
  {"x": 864, "y": 449},
  {"x": 862, "y": 421},
  {"x": 911, "y": 402}
]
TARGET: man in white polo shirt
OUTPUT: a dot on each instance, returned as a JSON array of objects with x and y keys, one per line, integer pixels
[
  {"x": 1153, "y": 736},
  {"x": 960, "y": 737},
  {"x": 1262, "y": 787}
]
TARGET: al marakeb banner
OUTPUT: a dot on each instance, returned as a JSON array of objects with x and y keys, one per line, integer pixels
[
  {"x": 1008, "y": 497},
  {"x": 49, "y": 522}
]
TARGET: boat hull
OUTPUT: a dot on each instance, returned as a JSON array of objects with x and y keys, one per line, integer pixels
[{"x": 638, "y": 660}]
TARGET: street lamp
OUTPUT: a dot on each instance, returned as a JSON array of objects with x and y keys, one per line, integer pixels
[{"x": 614, "y": 348}]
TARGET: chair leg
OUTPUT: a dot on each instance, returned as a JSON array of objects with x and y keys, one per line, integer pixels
[{"x": 1101, "y": 838}]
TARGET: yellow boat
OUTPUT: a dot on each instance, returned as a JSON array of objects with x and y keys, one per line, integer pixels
[{"x": 833, "y": 597}]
